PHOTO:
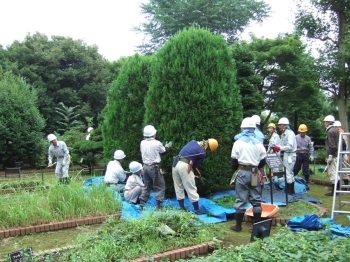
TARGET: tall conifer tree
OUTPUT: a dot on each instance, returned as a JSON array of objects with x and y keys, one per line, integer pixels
[{"x": 193, "y": 95}]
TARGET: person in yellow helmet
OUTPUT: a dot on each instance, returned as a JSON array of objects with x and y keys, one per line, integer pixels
[
  {"x": 272, "y": 137},
  {"x": 191, "y": 156},
  {"x": 305, "y": 153}
]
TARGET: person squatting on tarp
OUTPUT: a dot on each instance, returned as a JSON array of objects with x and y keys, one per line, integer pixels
[
  {"x": 134, "y": 184},
  {"x": 115, "y": 176},
  {"x": 191, "y": 156},
  {"x": 153, "y": 178},
  {"x": 345, "y": 161},
  {"x": 305, "y": 153},
  {"x": 248, "y": 154},
  {"x": 332, "y": 140},
  {"x": 59, "y": 150},
  {"x": 288, "y": 146}
]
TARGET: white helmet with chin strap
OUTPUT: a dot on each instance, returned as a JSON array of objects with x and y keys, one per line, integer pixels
[
  {"x": 51, "y": 137},
  {"x": 149, "y": 131},
  {"x": 256, "y": 119},
  {"x": 119, "y": 154},
  {"x": 329, "y": 118}
]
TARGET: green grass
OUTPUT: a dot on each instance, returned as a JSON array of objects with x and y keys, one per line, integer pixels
[{"x": 298, "y": 208}]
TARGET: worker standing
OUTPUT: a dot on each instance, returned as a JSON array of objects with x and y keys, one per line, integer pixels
[
  {"x": 288, "y": 146},
  {"x": 345, "y": 160},
  {"x": 153, "y": 178},
  {"x": 332, "y": 139},
  {"x": 191, "y": 156},
  {"x": 259, "y": 135},
  {"x": 304, "y": 154},
  {"x": 248, "y": 154},
  {"x": 115, "y": 176},
  {"x": 59, "y": 150},
  {"x": 89, "y": 133}
]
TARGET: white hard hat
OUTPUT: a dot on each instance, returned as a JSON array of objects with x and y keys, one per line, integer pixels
[
  {"x": 248, "y": 122},
  {"x": 51, "y": 137},
  {"x": 337, "y": 123},
  {"x": 90, "y": 129},
  {"x": 283, "y": 121},
  {"x": 119, "y": 154},
  {"x": 149, "y": 131},
  {"x": 257, "y": 119},
  {"x": 329, "y": 118},
  {"x": 135, "y": 167}
]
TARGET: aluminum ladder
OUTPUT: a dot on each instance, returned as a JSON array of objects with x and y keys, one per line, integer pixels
[{"x": 342, "y": 169}]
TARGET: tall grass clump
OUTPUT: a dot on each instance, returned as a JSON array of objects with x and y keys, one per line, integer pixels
[{"x": 58, "y": 203}]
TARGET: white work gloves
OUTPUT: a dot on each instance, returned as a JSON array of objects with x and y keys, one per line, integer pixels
[
  {"x": 311, "y": 158},
  {"x": 329, "y": 159},
  {"x": 170, "y": 144}
]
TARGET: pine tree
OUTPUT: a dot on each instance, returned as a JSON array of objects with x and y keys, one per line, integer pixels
[{"x": 193, "y": 95}]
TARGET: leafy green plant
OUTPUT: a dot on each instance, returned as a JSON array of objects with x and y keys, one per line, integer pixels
[
  {"x": 20, "y": 184},
  {"x": 120, "y": 240}
]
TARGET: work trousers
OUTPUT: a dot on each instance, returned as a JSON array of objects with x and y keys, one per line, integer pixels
[
  {"x": 288, "y": 162},
  {"x": 184, "y": 181},
  {"x": 245, "y": 192},
  {"x": 133, "y": 195},
  {"x": 61, "y": 171},
  {"x": 332, "y": 171},
  {"x": 302, "y": 161},
  {"x": 153, "y": 179}
]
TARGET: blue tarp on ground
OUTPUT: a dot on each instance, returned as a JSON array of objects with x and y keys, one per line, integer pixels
[{"x": 216, "y": 213}]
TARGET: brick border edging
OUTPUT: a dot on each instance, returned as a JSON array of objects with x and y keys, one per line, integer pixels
[
  {"x": 53, "y": 226},
  {"x": 182, "y": 253},
  {"x": 283, "y": 221},
  {"x": 172, "y": 255}
]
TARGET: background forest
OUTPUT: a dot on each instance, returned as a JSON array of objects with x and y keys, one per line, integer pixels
[{"x": 192, "y": 80}]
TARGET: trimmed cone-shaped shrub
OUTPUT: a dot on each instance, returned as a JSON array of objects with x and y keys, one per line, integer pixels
[
  {"x": 193, "y": 95},
  {"x": 124, "y": 112}
]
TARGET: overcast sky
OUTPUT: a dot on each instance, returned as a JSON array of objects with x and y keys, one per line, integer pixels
[{"x": 105, "y": 23}]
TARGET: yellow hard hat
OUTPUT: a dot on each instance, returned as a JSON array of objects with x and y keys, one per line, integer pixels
[
  {"x": 272, "y": 125},
  {"x": 213, "y": 144},
  {"x": 302, "y": 128}
]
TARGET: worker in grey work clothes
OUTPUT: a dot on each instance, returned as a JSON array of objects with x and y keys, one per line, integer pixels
[
  {"x": 288, "y": 147},
  {"x": 59, "y": 150},
  {"x": 248, "y": 154},
  {"x": 153, "y": 178},
  {"x": 191, "y": 156}
]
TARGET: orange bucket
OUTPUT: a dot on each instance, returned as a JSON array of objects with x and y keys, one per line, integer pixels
[{"x": 268, "y": 210}]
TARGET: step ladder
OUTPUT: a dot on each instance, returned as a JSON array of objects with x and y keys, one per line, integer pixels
[{"x": 343, "y": 168}]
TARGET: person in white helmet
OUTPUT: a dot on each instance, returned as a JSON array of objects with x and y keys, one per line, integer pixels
[
  {"x": 259, "y": 135},
  {"x": 150, "y": 152},
  {"x": 332, "y": 139},
  {"x": 289, "y": 147},
  {"x": 115, "y": 176},
  {"x": 89, "y": 132},
  {"x": 134, "y": 184},
  {"x": 59, "y": 150},
  {"x": 345, "y": 162},
  {"x": 248, "y": 154}
]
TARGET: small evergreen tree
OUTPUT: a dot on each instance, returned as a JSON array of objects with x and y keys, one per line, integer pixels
[
  {"x": 21, "y": 124},
  {"x": 193, "y": 95},
  {"x": 123, "y": 115}
]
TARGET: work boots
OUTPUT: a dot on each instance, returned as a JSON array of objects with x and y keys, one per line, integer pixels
[
  {"x": 331, "y": 193},
  {"x": 257, "y": 217},
  {"x": 182, "y": 204},
  {"x": 197, "y": 211},
  {"x": 290, "y": 188},
  {"x": 158, "y": 205},
  {"x": 239, "y": 220}
]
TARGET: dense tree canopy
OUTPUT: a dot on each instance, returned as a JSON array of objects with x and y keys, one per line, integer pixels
[
  {"x": 61, "y": 70},
  {"x": 193, "y": 95},
  {"x": 225, "y": 17},
  {"x": 21, "y": 124},
  {"x": 328, "y": 21}
]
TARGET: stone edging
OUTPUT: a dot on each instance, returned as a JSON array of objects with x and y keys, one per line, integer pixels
[
  {"x": 283, "y": 221},
  {"x": 53, "y": 226}
]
